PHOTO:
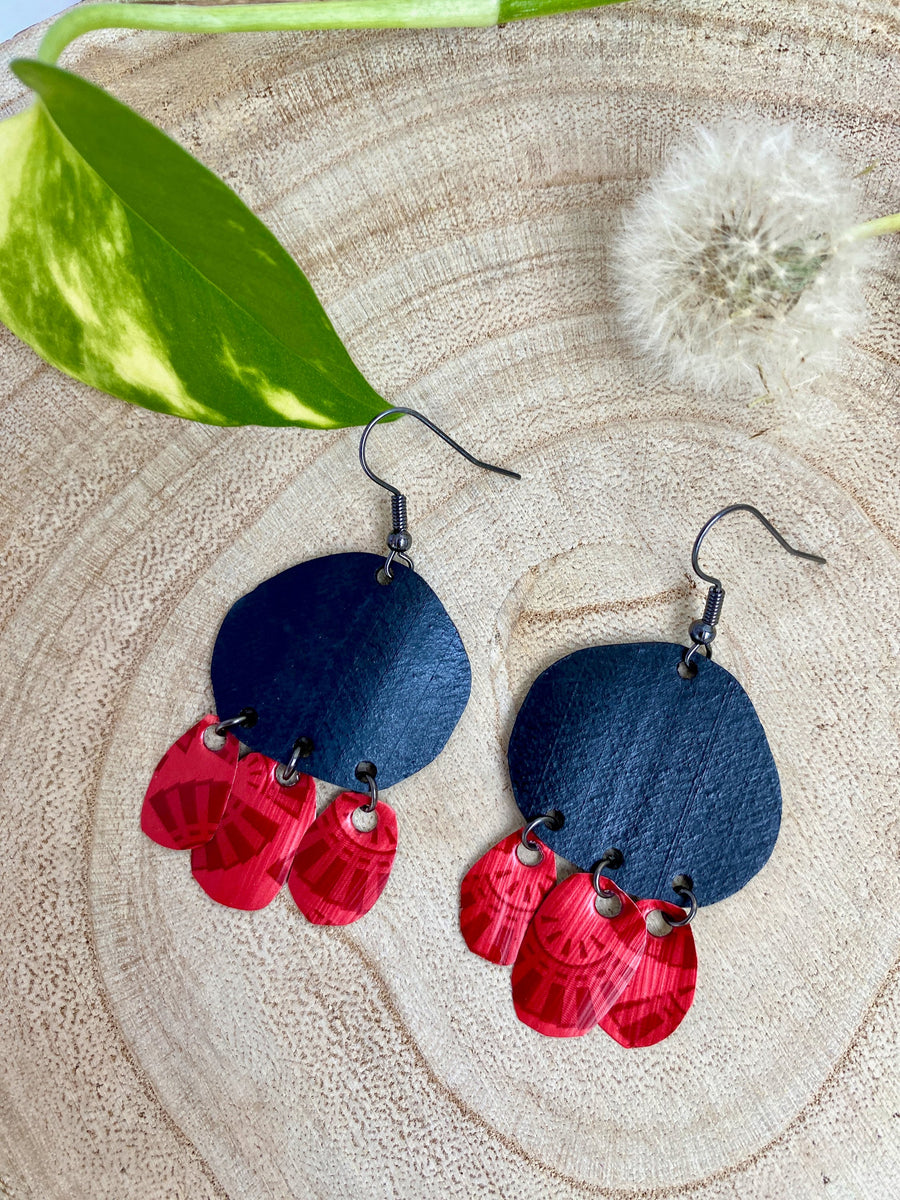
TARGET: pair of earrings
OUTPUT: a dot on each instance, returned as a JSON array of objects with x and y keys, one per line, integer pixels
[{"x": 647, "y": 760}]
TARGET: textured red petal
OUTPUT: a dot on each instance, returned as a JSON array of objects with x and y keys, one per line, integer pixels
[
  {"x": 189, "y": 788},
  {"x": 249, "y": 857},
  {"x": 661, "y": 990},
  {"x": 499, "y": 896},
  {"x": 574, "y": 962},
  {"x": 340, "y": 871}
]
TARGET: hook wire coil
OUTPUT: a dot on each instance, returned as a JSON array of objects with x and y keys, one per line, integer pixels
[
  {"x": 715, "y": 598},
  {"x": 398, "y": 513}
]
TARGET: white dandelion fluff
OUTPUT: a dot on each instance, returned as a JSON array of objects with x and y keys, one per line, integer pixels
[{"x": 739, "y": 270}]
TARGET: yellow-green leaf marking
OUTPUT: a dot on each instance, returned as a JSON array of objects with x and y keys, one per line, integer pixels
[{"x": 127, "y": 264}]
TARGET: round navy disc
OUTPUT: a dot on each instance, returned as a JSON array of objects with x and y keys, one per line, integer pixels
[
  {"x": 676, "y": 773},
  {"x": 368, "y": 672}
]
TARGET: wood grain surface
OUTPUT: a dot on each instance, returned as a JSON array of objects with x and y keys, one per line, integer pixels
[{"x": 452, "y": 197}]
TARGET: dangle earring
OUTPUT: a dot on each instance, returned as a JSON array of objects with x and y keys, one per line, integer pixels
[
  {"x": 643, "y": 759},
  {"x": 347, "y": 666}
]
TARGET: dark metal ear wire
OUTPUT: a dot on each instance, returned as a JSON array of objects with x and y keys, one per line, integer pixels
[
  {"x": 703, "y": 631},
  {"x": 399, "y": 539},
  {"x": 683, "y": 885},
  {"x": 782, "y": 541}
]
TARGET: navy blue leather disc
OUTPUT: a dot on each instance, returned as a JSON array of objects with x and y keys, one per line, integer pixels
[
  {"x": 368, "y": 672},
  {"x": 676, "y": 773}
]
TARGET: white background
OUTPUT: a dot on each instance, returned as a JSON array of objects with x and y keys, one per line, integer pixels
[{"x": 16, "y": 15}]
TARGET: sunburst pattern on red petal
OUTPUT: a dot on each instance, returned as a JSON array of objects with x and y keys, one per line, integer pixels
[
  {"x": 574, "y": 962},
  {"x": 340, "y": 871},
  {"x": 500, "y": 895},
  {"x": 248, "y": 859},
  {"x": 189, "y": 788},
  {"x": 660, "y": 992}
]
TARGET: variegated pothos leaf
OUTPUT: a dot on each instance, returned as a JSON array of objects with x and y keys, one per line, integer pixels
[{"x": 129, "y": 265}]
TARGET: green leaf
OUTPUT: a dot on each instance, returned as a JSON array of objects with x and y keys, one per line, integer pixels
[{"x": 127, "y": 264}]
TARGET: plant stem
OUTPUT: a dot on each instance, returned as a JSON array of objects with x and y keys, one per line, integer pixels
[
  {"x": 877, "y": 227},
  {"x": 311, "y": 14}
]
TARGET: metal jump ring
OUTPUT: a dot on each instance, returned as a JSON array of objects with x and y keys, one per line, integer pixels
[
  {"x": 682, "y": 891},
  {"x": 247, "y": 716},
  {"x": 692, "y": 650},
  {"x": 543, "y": 819},
  {"x": 399, "y": 557},
  {"x": 287, "y": 776},
  {"x": 611, "y": 860},
  {"x": 369, "y": 780}
]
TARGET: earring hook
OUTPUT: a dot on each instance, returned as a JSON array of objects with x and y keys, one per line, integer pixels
[
  {"x": 411, "y": 412},
  {"x": 779, "y": 538},
  {"x": 400, "y": 539},
  {"x": 703, "y": 632}
]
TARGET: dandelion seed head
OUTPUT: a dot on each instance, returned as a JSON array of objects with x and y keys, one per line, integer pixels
[{"x": 734, "y": 265}]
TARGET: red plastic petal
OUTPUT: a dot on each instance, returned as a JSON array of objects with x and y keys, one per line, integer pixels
[
  {"x": 189, "y": 788},
  {"x": 661, "y": 990},
  {"x": 500, "y": 895},
  {"x": 248, "y": 859},
  {"x": 574, "y": 962},
  {"x": 340, "y": 871}
]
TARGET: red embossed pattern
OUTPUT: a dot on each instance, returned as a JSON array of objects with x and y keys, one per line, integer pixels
[
  {"x": 574, "y": 962},
  {"x": 661, "y": 990},
  {"x": 500, "y": 895},
  {"x": 247, "y": 861},
  {"x": 340, "y": 871},
  {"x": 189, "y": 788}
]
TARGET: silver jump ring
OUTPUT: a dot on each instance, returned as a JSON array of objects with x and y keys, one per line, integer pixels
[
  {"x": 682, "y": 890},
  {"x": 595, "y": 879}
]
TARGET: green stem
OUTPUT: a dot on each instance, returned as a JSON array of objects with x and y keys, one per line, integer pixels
[
  {"x": 311, "y": 14},
  {"x": 877, "y": 227}
]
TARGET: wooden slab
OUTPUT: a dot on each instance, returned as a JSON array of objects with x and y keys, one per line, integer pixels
[{"x": 451, "y": 196}]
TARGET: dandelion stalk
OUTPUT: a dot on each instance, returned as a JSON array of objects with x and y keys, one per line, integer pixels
[
  {"x": 311, "y": 14},
  {"x": 876, "y": 228}
]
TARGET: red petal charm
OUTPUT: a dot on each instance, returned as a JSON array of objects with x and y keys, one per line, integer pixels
[
  {"x": 574, "y": 962},
  {"x": 661, "y": 990},
  {"x": 249, "y": 857},
  {"x": 340, "y": 871},
  {"x": 188, "y": 789},
  {"x": 499, "y": 896}
]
